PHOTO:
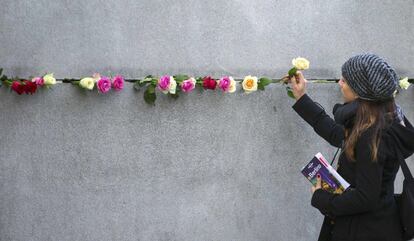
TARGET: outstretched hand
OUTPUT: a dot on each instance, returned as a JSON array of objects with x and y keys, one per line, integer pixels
[{"x": 298, "y": 84}]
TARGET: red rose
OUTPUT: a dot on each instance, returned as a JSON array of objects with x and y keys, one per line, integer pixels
[
  {"x": 29, "y": 87},
  {"x": 209, "y": 83},
  {"x": 17, "y": 87}
]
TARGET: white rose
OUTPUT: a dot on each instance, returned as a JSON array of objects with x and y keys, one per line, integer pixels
[
  {"x": 404, "y": 84},
  {"x": 49, "y": 79},
  {"x": 249, "y": 84},
  {"x": 300, "y": 63},
  {"x": 87, "y": 83},
  {"x": 173, "y": 85},
  {"x": 232, "y": 85}
]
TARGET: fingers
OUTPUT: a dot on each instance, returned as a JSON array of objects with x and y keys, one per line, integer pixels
[
  {"x": 294, "y": 82},
  {"x": 286, "y": 79},
  {"x": 318, "y": 181},
  {"x": 298, "y": 80},
  {"x": 299, "y": 76}
]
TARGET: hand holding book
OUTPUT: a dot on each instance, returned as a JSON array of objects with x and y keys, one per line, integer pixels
[
  {"x": 318, "y": 184},
  {"x": 329, "y": 179}
]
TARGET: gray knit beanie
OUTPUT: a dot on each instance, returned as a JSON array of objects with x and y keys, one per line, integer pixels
[{"x": 370, "y": 77}]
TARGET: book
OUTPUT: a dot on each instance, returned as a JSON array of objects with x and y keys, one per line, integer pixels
[{"x": 330, "y": 179}]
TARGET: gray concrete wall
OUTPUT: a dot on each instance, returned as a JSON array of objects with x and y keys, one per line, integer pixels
[
  {"x": 77, "y": 165},
  {"x": 77, "y": 38}
]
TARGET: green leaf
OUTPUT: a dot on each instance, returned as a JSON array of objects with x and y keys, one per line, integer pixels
[
  {"x": 1, "y": 71},
  {"x": 3, "y": 78},
  {"x": 199, "y": 81},
  {"x": 290, "y": 92},
  {"x": 137, "y": 85},
  {"x": 151, "y": 89},
  {"x": 260, "y": 86},
  {"x": 149, "y": 94},
  {"x": 181, "y": 77},
  {"x": 292, "y": 71},
  {"x": 142, "y": 83},
  {"x": 263, "y": 82}
]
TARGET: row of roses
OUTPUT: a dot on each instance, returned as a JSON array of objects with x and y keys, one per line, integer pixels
[
  {"x": 28, "y": 86},
  {"x": 102, "y": 83},
  {"x": 173, "y": 85},
  {"x": 167, "y": 84}
]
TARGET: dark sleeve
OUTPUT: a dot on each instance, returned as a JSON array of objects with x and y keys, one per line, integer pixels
[
  {"x": 321, "y": 122},
  {"x": 365, "y": 195}
]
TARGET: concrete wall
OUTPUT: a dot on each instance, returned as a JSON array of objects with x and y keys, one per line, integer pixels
[
  {"x": 77, "y": 38},
  {"x": 77, "y": 165}
]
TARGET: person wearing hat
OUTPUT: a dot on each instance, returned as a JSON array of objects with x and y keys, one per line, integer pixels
[{"x": 370, "y": 129}]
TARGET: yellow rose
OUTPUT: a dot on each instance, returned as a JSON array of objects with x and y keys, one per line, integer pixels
[
  {"x": 232, "y": 85},
  {"x": 87, "y": 83},
  {"x": 300, "y": 63},
  {"x": 404, "y": 84},
  {"x": 249, "y": 84},
  {"x": 49, "y": 79}
]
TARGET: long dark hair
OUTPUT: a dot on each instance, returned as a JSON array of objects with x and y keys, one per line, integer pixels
[{"x": 376, "y": 115}]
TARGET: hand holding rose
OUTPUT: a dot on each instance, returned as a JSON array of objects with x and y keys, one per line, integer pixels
[
  {"x": 298, "y": 83},
  {"x": 298, "y": 63}
]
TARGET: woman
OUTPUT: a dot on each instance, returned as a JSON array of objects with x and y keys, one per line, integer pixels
[{"x": 371, "y": 130}]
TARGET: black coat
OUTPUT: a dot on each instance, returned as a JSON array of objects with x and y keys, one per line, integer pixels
[{"x": 367, "y": 210}]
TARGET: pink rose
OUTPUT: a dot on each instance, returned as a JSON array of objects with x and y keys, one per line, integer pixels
[
  {"x": 38, "y": 81},
  {"x": 164, "y": 83},
  {"x": 104, "y": 84},
  {"x": 188, "y": 85},
  {"x": 224, "y": 83},
  {"x": 118, "y": 82}
]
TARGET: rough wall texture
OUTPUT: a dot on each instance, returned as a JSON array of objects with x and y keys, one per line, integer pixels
[
  {"x": 76, "y": 38},
  {"x": 76, "y": 165}
]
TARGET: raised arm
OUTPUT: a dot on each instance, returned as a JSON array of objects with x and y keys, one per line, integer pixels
[{"x": 321, "y": 122}]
